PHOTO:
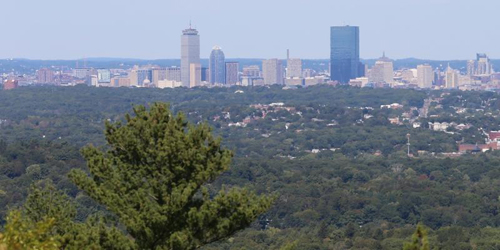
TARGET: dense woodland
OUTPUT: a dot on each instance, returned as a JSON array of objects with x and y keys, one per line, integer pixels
[{"x": 337, "y": 166}]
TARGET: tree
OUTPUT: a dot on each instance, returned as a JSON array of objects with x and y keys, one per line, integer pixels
[
  {"x": 22, "y": 233},
  {"x": 45, "y": 201},
  {"x": 419, "y": 240},
  {"x": 153, "y": 179}
]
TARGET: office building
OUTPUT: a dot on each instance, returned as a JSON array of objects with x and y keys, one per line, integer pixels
[
  {"x": 190, "y": 54},
  {"x": 382, "y": 71},
  {"x": 344, "y": 53},
  {"x": 451, "y": 78},
  {"x": 158, "y": 74},
  {"x": 232, "y": 69},
  {"x": 293, "y": 68},
  {"x": 173, "y": 74},
  {"x": 45, "y": 76},
  {"x": 103, "y": 76},
  {"x": 205, "y": 74},
  {"x": 425, "y": 76},
  {"x": 252, "y": 71},
  {"x": 194, "y": 75},
  {"x": 483, "y": 65},
  {"x": 81, "y": 73},
  {"x": 144, "y": 77},
  {"x": 272, "y": 71},
  {"x": 217, "y": 65}
]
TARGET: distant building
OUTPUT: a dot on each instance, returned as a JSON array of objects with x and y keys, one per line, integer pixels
[
  {"x": 195, "y": 75},
  {"x": 10, "y": 84},
  {"x": 103, "y": 76},
  {"x": 382, "y": 71},
  {"x": 483, "y": 65},
  {"x": 81, "y": 73},
  {"x": 173, "y": 74},
  {"x": 451, "y": 78},
  {"x": 120, "y": 82},
  {"x": 252, "y": 71},
  {"x": 344, "y": 53},
  {"x": 190, "y": 54},
  {"x": 293, "y": 68},
  {"x": 232, "y": 69},
  {"x": 272, "y": 71},
  {"x": 144, "y": 77},
  {"x": 205, "y": 74},
  {"x": 425, "y": 76},
  {"x": 45, "y": 76},
  {"x": 158, "y": 74},
  {"x": 217, "y": 66}
]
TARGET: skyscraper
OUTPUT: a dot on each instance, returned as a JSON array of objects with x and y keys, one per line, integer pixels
[
  {"x": 232, "y": 69},
  {"x": 451, "y": 78},
  {"x": 190, "y": 54},
  {"x": 293, "y": 68},
  {"x": 217, "y": 66},
  {"x": 382, "y": 71},
  {"x": 195, "y": 75},
  {"x": 344, "y": 53},
  {"x": 272, "y": 71},
  {"x": 425, "y": 76}
]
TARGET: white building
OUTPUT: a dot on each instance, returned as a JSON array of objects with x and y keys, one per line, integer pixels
[
  {"x": 272, "y": 71},
  {"x": 425, "y": 76},
  {"x": 293, "y": 68},
  {"x": 451, "y": 78},
  {"x": 382, "y": 71}
]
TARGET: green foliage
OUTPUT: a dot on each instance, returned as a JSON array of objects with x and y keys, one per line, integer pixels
[
  {"x": 21, "y": 233},
  {"x": 419, "y": 240},
  {"x": 152, "y": 178}
]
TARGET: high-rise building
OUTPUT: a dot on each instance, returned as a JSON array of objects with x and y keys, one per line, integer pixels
[
  {"x": 194, "y": 75},
  {"x": 217, "y": 65},
  {"x": 205, "y": 74},
  {"x": 158, "y": 74},
  {"x": 173, "y": 74},
  {"x": 103, "y": 76},
  {"x": 45, "y": 76},
  {"x": 344, "y": 53},
  {"x": 232, "y": 69},
  {"x": 272, "y": 71},
  {"x": 483, "y": 65},
  {"x": 144, "y": 77},
  {"x": 252, "y": 70},
  {"x": 190, "y": 54},
  {"x": 425, "y": 76},
  {"x": 293, "y": 68},
  {"x": 451, "y": 78},
  {"x": 382, "y": 71}
]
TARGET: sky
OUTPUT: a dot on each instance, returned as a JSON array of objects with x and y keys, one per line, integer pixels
[{"x": 151, "y": 29}]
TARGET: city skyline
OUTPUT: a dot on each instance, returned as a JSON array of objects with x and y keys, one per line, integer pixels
[{"x": 385, "y": 26}]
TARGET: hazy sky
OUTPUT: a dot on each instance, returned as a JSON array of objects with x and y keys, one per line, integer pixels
[{"x": 150, "y": 29}]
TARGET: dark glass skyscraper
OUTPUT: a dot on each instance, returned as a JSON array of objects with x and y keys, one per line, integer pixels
[{"x": 344, "y": 53}]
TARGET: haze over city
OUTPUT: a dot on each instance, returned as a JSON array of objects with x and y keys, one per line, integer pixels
[{"x": 427, "y": 29}]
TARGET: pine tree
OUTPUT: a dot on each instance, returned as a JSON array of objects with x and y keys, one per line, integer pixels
[
  {"x": 45, "y": 201},
  {"x": 419, "y": 240},
  {"x": 153, "y": 178}
]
